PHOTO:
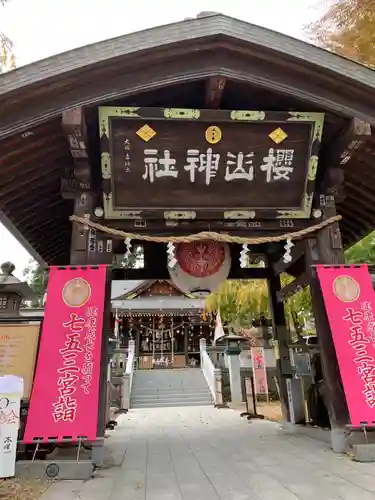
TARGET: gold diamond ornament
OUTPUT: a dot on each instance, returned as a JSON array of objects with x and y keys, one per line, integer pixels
[
  {"x": 278, "y": 135},
  {"x": 146, "y": 133}
]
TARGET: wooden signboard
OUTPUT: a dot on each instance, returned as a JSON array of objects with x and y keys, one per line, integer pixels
[
  {"x": 18, "y": 348},
  {"x": 157, "y": 162}
]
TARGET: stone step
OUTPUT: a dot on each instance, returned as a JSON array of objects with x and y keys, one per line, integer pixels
[
  {"x": 202, "y": 392},
  {"x": 169, "y": 404},
  {"x": 171, "y": 397},
  {"x": 143, "y": 391},
  {"x": 163, "y": 388}
]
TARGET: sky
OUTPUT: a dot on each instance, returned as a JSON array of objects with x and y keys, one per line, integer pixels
[{"x": 42, "y": 28}]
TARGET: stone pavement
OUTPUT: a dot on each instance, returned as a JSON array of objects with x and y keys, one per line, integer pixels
[{"x": 200, "y": 453}]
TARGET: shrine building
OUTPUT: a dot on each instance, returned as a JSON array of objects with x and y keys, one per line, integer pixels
[
  {"x": 165, "y": 324},
  {"x": 199, "y": 144}
]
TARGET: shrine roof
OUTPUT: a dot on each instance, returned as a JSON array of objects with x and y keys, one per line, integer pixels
[
  {"x": 159, "y": 304},
  {"x": 168, "y": 66},
  {"x": 119, "y": 288}
]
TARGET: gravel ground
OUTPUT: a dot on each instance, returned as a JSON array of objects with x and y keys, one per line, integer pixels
[
  {"x": 21, "y": 489},
  {"x": 271, "y": 411}
]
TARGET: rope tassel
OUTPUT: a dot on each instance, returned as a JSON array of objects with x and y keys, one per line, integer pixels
[
  {"x": 287, "y": 255},
  {"x": 172, "y": 261},
  {"x": 128, "y": 246}
]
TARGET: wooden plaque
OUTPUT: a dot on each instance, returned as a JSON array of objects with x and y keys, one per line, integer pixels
[
  {"x": 18, "y": 349},
  {"x": 162, "y": 162}
]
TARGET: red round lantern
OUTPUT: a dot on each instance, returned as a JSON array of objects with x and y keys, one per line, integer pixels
[
  {"x": 200, "y": 259},
  {"x": 201, "y": 266}
]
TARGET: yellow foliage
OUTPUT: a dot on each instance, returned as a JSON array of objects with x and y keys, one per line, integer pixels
[
  {"x": 242, "y": 301},
  {"x": 347, "y": 28},
  {"x": 7, "y": 60}
]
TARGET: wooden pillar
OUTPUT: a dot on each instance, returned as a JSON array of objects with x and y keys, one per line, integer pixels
[
  {"x": 138, "y": 341},
  {"x": 81, "y": 236},
  {"x": 326, "y": 248},
  {"x": 280, "y": 333},
  {"x": 186, "y": 343}
]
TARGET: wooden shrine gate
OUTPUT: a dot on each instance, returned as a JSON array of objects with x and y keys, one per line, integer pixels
[
  {"x": 228, "y": 174},
  {"x": 218, "y": 131}
]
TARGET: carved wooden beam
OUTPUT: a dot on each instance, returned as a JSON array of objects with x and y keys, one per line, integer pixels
[
  {"x": 350, "y": 140},
  {"x": 161, "y": 272},
  {"x": 295, "y": 286},
  {"x": 214, "y": 91},
  {"x": 75, "y": 129},
  {"x": 74, "y": 125}
]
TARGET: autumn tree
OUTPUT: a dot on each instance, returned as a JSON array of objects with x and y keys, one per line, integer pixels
[
  {"x": 347, "y": 28},
  {"x": 7, "y": 60},
  {"x": 243, "y": 303}
]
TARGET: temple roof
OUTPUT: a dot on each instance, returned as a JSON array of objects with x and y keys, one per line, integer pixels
[
  {"x": 161, "y": 304},
  {"x": 122, "y": 288},
  {"x": 170, "y": 66}
]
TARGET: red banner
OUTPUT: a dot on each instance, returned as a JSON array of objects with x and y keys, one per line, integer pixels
[
  {"x": 64, "y": 399},
  {"x": 259, "y": 370},
  {"x": 350, "y": 303}
]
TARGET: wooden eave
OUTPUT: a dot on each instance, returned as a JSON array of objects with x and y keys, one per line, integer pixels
[{"x": 34, "y": 152}]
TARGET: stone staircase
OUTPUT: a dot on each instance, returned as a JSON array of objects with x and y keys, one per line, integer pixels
[{"x": 169, "y": 387}]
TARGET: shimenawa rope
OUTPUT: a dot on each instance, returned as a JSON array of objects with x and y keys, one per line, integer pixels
[{"x": 206, "y": 235}]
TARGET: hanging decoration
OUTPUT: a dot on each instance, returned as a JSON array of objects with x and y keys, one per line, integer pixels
[
  {"x": 168, "y": 331},
  {"x": 243, "y": 255},
  {"x": 130, "y": 327},
  {"x": 288, "y": 247},
  {"x": 171, "y": 255},
  {"x": 128, "y": 247}
]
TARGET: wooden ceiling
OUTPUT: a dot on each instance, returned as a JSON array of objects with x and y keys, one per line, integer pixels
[{"x": 210, "y": 62}]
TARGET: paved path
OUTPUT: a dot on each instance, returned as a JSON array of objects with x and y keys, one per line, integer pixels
[{"x": 208, "y": 454}]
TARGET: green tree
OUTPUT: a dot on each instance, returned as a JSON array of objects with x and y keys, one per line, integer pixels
[
  {"x": 347, "y": 28},
  {"x": 241, "y": 302},
  {"x": 362, "y": 252},
  {"x": 37, "y": 278}
]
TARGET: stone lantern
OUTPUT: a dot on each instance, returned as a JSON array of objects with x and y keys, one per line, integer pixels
[
  {"x": 12, "y": 292},
  {"x": 232, "y": 353}
]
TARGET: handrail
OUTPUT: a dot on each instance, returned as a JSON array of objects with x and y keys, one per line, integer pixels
[
  {"x": 127, "y": 378},
  {"x": 211, "y": 374},
  {"x": 208, "y": 370}
]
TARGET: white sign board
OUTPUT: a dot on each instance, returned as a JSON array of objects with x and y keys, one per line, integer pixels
[
  {"x": 11, "y": 391},
  {"x": 9, "y": 425}
]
